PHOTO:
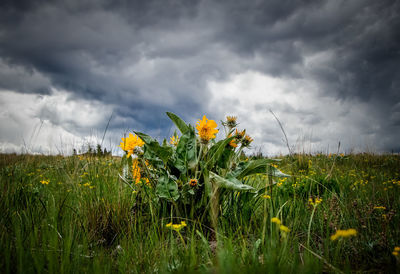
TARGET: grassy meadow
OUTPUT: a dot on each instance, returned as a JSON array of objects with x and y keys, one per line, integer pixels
[{"x": 73, "y": 214}]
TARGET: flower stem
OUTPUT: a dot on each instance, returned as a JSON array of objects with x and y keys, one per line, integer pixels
[{"x": 309, "y": 226}]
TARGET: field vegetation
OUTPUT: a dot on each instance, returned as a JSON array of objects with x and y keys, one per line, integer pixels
[{"x": 192, "y": 204}]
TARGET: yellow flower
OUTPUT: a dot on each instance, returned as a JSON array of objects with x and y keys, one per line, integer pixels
[
  {"x": 266, "y": 196},
  {"x": 174, "y": 140},
  {"x": 130, "y": 143},
  {"x": 136, "y": 176},
  {"x": 45, "y": 182},
  {"x": 206, "y": 129},
  {"x": 344, "y": 234},
  {"x": 231, "y": 121},
  {"x": 397, "y": 248},
  {"x": 379, "y": 207},
  {"x": 193, "y": 182},
  {"x": 284, "y": 228},
  {"x": 276, "y": 220},
  {"x": 315, "y": 202},
  {"x": 246, "y": 141},
  {"x": 232, "y": 143},
  {"x": 239, "y": 134},
  {"x": 176, "y": 227}
]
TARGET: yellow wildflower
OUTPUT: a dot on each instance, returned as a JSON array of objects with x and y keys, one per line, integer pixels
[
  {"x": 276, "y": 220},
  {"x": 206, "y": 129},
  {"x": 380, "y": 207},
  {"x": 176, "y": 227},
  {"x": 232, "y": 143},
  {"x": 136, "y": 176},
  {"x": 45, "y": 182},
  {"x": 266, "y": 196},
  {"x": 344, "y": 234},
  {"x": 284, "y": 228},
  {"x": 314, "y": 202},
  {"x": 231, "y": 121},
  {"x": 247, "y": 140},
  {"x": 239, "y": 135},
  {"x": 193, "y": 182},
  {"x": 130, "y": 143},
  {"x": 174, "y": 140}
]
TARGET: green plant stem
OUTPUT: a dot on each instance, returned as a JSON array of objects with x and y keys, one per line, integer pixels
[
  {"x": 309, "y": 226},
  {"x": 264, "y": 222},
  {"x": 180, "y": 236}
]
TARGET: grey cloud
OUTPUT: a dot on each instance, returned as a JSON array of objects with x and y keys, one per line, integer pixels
[{"x": 147, "y": 57}]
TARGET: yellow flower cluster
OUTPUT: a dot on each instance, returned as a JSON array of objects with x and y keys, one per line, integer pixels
[
  {"x": 344, "y": 234},
  {"x": 266, "y": 196},
  {"x": 314, "y": 202},
  {"x": 396, "y": 251},
  {"x": 130, "y": 143},
  {"x": 136, "y": 173},
  {"x": 45, "y": 182},
  {"x": 176, "y": 227},
  {"x": 282, "y": 227},
  {"x": 390, "y": 183},
  {"x": 88, "y": 185}
]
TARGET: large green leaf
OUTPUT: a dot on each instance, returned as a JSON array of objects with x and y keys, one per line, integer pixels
[
  {"x": 163, "y": 152},
  {"x": 257, "y": 166},
  {"x": 186, "y": 151},
  {"x": 276, "y": 172},
  {"x": 167, "y": 188},
  {"x": 216, "y": 151},
  {"x": 229, "y": 183},
  {"x": 180, "y": 124}
]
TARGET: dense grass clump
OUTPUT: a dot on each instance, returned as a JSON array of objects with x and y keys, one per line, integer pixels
[{"x": 74, "y": 214}]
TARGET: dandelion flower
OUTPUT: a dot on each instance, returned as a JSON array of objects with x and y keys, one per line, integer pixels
[
  {"x": 206, "y": 129},
  {"x": 266, "y": 196},
  {"x": 45, "y": 182},
  {"x": 130, "y": 143}
]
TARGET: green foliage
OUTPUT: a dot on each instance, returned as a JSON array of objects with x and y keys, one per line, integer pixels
[
  {"x": 214, "y": 165},
  {"x": 76, "y": 215}
]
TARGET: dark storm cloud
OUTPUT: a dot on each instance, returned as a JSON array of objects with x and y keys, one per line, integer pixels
[{"x": 148, "y": 57}]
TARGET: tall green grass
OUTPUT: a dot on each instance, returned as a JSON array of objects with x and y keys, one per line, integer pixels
[{"x": 86, "y": 220}]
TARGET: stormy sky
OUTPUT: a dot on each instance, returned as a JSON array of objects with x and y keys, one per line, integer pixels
[{"x": 329, "y": 70}]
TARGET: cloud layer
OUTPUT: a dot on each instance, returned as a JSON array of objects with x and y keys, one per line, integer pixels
[{"x": 330, "y": 70}]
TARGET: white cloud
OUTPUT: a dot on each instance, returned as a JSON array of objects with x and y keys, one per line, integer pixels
[
  {"x": 49, "y": 124},
  {"x": 312, "y": 122}
]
